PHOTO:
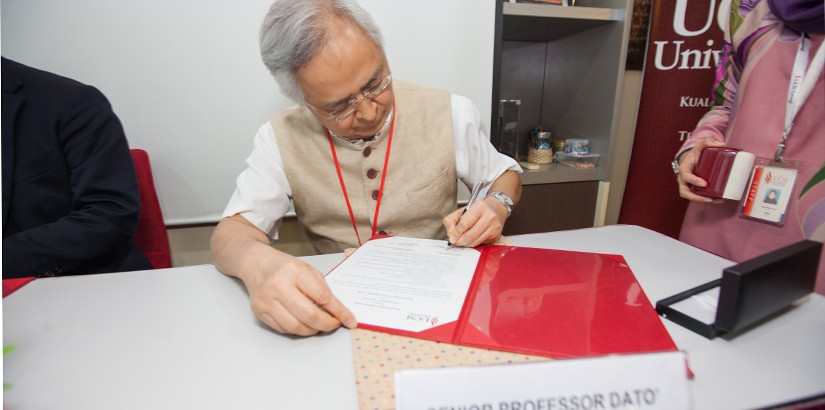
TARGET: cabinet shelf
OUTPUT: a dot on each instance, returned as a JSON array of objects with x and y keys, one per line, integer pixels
[
  {"x": 542, "y": 22},
  {"x": 556, "y": 173},
  {"x": 566, "y": 66},
  {"x": 575, "y": 13}
]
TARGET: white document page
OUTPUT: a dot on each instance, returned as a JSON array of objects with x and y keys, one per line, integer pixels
[{"x": 405, "y": 283}]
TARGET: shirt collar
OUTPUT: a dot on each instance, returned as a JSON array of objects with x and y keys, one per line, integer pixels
[{"x": 373, "y": 138}]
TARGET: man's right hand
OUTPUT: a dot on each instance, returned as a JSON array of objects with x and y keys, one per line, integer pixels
[{"x": 285, "y": 292}]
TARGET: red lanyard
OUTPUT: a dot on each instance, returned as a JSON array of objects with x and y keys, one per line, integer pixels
[{"x": 380, "y": 188}]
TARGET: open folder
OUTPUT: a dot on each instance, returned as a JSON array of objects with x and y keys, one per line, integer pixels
[{"x": 534, "y": 301}]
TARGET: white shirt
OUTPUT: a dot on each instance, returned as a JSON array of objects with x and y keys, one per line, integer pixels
[{"x": 262, "y": 195}]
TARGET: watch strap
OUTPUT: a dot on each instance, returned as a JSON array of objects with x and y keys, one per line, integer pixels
[{"x": 505, "y": 200}]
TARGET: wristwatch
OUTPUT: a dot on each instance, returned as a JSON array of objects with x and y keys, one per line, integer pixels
[
  {"x": 675, "y": 165},
  {"x": 504, "y": 199}
]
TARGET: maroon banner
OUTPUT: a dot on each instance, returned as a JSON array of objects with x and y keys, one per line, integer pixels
[{"x": 682, "y": 50}]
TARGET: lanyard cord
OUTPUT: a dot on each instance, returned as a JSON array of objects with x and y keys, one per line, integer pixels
[
  {"x": 380, "y": 188},
  {"x": 800, "y": 86}
]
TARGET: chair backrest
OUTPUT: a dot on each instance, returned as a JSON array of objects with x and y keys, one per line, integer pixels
[{"x": 151, "y": 235}]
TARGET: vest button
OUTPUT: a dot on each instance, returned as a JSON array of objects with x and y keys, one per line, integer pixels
[
  {"x": 367, "y": 151},
  {"x": 375, "y": 195},
  {"x": 371, "y": 174}
]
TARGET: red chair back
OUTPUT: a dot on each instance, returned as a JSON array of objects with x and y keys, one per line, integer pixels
[{"x": 151, "y": 235}]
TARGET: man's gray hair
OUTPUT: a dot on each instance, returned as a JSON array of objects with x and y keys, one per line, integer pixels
[{"x": 295, "y": 31}]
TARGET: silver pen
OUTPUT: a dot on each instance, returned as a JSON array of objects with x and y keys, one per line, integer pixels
[{"x": 473, "y": 196}]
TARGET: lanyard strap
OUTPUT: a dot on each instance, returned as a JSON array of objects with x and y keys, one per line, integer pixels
[
  {"x": 380, "y": 188},
  {"x": 800, "y": 87}
]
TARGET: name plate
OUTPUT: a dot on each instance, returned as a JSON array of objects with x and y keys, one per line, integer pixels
[{"x": 638, "y": 381}]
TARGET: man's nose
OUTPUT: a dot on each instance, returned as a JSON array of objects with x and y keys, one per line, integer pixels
[{"x": 366, "y": 109}]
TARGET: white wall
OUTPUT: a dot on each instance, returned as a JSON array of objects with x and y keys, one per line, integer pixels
[{"x": 186, "y": 80}]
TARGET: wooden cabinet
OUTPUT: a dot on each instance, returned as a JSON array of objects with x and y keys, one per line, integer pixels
[
  {"x": 553, "y": 207},
  {"x": 566, "y": 66}
]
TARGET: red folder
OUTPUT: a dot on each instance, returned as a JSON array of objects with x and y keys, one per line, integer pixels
[{"x": 552, "y": 303}]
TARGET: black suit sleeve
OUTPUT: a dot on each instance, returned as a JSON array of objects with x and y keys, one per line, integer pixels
[{"x": 101, "y": 199}]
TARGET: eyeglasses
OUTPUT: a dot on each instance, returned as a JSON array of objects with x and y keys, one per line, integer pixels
[{"x": 351, "y": 105}]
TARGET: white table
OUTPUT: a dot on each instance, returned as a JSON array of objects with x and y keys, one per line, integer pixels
[{"x": 186, "y": 338}]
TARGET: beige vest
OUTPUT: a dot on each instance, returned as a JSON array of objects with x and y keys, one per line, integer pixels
[{"x": 420, "y": 186}]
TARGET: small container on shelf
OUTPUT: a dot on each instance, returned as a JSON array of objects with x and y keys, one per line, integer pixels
[
  {"x": 578, "y": 161},
  {"x": 540, "y": 151},
  {"x": 541, "y": 140},
  {"x": 557, "y": 145},
  {"x": 578, "y": 146}
]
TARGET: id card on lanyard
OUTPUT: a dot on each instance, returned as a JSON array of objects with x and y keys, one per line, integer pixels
[
  {"x": 769, "y": 190},
  {"x": 772, "y": 181}
]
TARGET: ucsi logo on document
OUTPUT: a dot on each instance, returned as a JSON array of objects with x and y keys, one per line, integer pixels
[{"x": 417, "y": 317}]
